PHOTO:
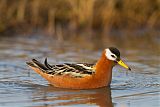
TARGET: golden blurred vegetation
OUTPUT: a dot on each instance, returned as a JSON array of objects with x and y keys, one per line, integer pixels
[{"x": 79, "y": 17}]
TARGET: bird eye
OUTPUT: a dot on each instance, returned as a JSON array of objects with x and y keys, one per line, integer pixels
[{"x": 113, "y": 56}]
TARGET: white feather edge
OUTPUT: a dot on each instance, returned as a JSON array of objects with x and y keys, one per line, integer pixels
[{"x": 90, "y": 68}]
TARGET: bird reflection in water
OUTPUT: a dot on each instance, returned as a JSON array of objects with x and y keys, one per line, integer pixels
[{"x": 50, "y": 96}]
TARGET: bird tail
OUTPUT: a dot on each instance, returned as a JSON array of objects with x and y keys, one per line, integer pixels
[{"x": 36, "y": 64}]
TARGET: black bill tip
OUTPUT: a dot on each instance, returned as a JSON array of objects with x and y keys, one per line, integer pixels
[{"x": 129, "y": 69}]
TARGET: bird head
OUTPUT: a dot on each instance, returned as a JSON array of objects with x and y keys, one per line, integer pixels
[{"x": 113, "y": 54}]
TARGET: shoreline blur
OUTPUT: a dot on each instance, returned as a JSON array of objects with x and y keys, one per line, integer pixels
[{"x": 85, "y": 18}]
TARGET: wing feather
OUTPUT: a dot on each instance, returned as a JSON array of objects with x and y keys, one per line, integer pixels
[{"x": 73, "y": 70}]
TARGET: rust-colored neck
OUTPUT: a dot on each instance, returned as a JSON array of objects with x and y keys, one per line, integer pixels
[{"x": 104, "y": 69}]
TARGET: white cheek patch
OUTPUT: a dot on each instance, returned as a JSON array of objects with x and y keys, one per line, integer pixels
[{"x": 109, "y": 55}]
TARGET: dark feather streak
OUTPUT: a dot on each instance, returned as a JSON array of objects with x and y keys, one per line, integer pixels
[{"x": 54, "y": 69}]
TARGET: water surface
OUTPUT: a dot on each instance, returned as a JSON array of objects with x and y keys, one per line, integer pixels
[{"x": 22, "y": 87}]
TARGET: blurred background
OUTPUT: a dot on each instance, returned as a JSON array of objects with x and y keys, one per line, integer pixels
[
  {"x": 71, "y": 31},
  {"x": 96, "y": 21}
]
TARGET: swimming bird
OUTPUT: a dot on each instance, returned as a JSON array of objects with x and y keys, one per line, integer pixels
[{"x": 80, "y": 75}]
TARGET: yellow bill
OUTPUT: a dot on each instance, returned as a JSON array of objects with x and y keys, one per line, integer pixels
[{"x": 120, "y": 62}]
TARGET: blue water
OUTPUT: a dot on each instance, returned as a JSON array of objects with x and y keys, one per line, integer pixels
[{"x": 22, "y": 87}]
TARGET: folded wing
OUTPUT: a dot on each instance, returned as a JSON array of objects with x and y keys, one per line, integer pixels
[{"x": 73, "y": 70}]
